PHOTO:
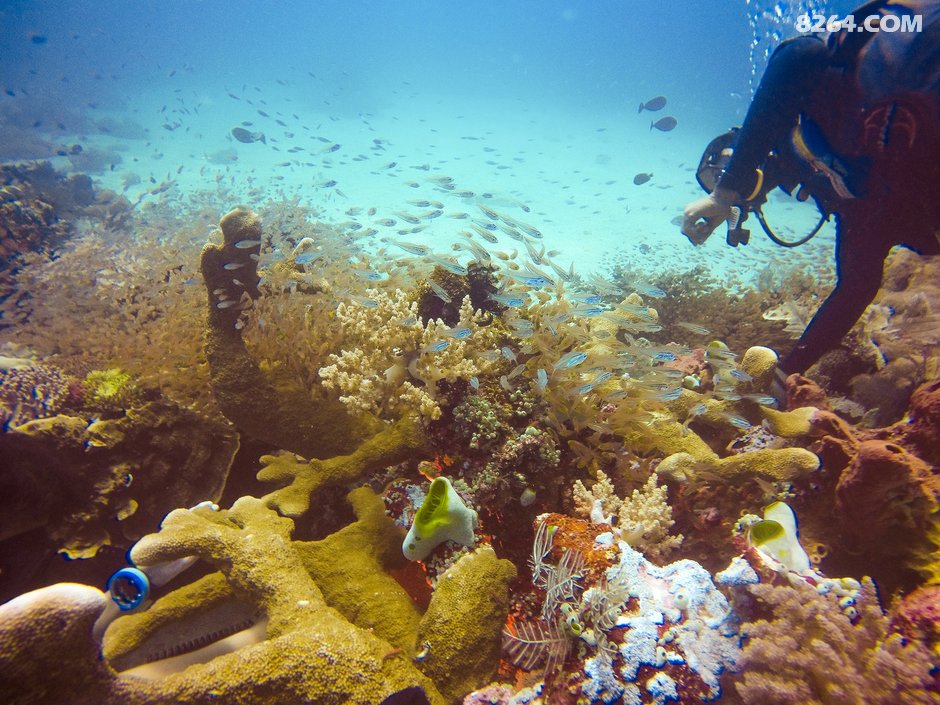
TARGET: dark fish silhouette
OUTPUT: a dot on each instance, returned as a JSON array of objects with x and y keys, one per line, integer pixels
[
  {"x": 657, "y": 103},
  {"x": 641, "y": 178},
  {"x": 664, "y": 124},
  {"x": 243, "y": 135},
  {"x": 412, "y": 695}
]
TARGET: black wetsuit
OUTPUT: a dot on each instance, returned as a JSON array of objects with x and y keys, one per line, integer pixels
[{"x": 898, "y": 186}]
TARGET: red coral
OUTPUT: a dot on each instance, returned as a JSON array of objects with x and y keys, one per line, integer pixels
[
  {"x": 923, "y": 429},
  {"x": 917, "y": 616},
  {"x": 802, "y": 391},
  {"x": 884, "y": 498}
]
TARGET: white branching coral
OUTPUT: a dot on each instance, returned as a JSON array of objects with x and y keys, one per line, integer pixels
[
  {"x": 643, "y": 519},
  {"x": 391, "y": 363}
]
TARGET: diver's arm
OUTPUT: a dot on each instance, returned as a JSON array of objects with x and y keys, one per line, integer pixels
[
  {"x": 792, "y": 74},
  {"x": 789, "y": 80},
  {"x": 859, "y": 268}
]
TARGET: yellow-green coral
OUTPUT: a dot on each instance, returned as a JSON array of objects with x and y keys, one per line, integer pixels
[
  {"x": 358, "y": 584},
  {"x": 112, "y": 389},
  {"x": 251, "y": 545},
  {"x": 760, "y": 363},
  {"x": 773, "y": 464},
  {"x": 790, "y": 424},
  {"x": 301, "y": 478}
]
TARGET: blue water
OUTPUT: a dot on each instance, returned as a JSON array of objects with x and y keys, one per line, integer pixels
[{"x": 530, "y": 100}]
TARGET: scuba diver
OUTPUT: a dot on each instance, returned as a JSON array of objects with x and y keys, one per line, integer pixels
[{"x": 852, "y": 120}]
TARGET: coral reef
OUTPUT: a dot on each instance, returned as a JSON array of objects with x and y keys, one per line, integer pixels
[
  {"x": 917, "y": 617},
  {"x": 893, "y": 494},
  {"x": 391, "y": 362},
  {"x": 109, "y": 481},
  {"x": 110, "y": 390},
  {"x": 504, "y": 381},
  {"x": 879, "y": 485},
  {"x": 343, "y": 648},
  {"x": 643, "y": 519},
  {"x": 809, "y": 652}
]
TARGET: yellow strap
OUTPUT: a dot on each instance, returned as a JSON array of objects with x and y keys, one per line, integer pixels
[{"x": 760, "y": 182}]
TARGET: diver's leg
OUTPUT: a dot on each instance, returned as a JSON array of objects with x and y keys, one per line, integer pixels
[{"x": 860, "y": 258}]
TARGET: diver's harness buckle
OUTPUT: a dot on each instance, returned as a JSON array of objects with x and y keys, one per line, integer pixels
[{"x": 737, "y": 235}]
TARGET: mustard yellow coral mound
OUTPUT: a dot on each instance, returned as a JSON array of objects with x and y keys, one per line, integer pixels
[
  {"x": 301, "y": 479},
  {"x": 461, "y": 632},
  {"x": 760, "y": 363},
  {"x": 772, "y": 464},
  {"x": 309, "y": 648},
  {"x": 390, "y": 363}
]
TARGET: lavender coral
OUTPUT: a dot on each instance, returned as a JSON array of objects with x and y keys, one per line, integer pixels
[{"x": 809, "y": 652}]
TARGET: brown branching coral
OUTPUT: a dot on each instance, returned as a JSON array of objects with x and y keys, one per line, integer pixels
[
  {"x": 102, "y": 304},
  {"x": 737, "y": 318},
  {"x": 808, "y": 652},
  {"x": 269, "y": 406}
]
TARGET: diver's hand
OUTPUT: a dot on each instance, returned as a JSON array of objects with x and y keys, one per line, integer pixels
[{"x": 701, "y": 217}]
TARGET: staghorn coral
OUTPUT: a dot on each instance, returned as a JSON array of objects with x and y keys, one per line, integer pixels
[
  {"x": 808, "y": 652},
  {"x": 386, "y": 343},
  {"x": 643, "y": 519}
]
